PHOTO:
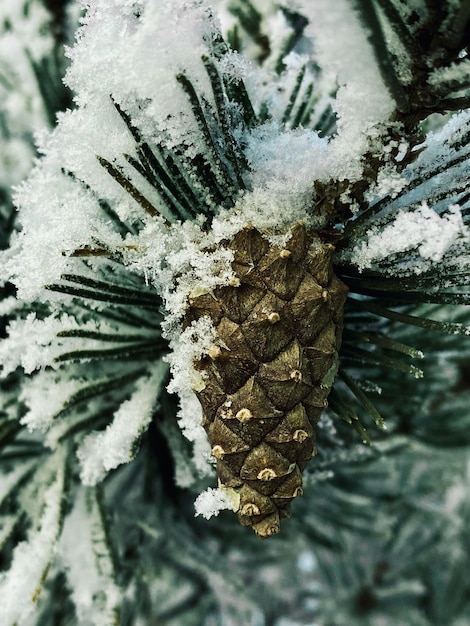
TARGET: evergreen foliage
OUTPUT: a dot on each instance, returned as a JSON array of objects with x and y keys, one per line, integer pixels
[{"x": 127, "y": 218}]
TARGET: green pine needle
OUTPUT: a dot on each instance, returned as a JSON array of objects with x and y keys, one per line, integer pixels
[
  {"x": 363, "y": 399},
  {"x": 429, "y": 324},
  {"x": 132, "y": 351}
]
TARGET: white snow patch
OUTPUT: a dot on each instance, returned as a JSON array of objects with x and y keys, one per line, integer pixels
[
  {"x": 423, "y": 230},
  {"x": 21, "y": 584},
  {"x": 191, "y": 345},
  {"x": 363, "y": 102},
  {"x": 194, "y": 342},
  {"x": 88, "y": 563},
  {"x": 103, "y": 451},
  {"x": 18, "y": 349},
  {"x": 210, "y": 502},
  {"x": 45, "y": 394}
]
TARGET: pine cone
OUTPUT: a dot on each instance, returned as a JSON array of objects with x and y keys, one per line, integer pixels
[{"x": 268, "y": 375}]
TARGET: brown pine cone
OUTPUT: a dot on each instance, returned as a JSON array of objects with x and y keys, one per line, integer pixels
[{"x": 268, "y": 376}]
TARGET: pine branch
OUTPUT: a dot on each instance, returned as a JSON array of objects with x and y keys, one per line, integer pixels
[
  {"x": 427, "y": 47},
  {"x": 102, "y": 339}
]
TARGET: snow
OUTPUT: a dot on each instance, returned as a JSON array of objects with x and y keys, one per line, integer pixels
[
  {"x": 103, "y": 451},
  {"x": 21, "y": 584},
  {"x": 24, "y": 35},
  {"x": 190, "y": 422},
  {"x": 439, "y": 149},
  {"x": 18, "y": 349},
  {"x": 210, "y": 502},
  {"x": 363, "y": 102},
  {"x": 285, "y": 164},
  {"x": 39, "y": 414},
  {"x": 188, "y": 347},
  {"x": 390, "y": 182},
  {"x": 10, "y": 479},
  {"x": 194, "y": 342},
  {"x": 75, "y": 221},
  {"x": 449, "y": 75},
  {"x": 88, "y": 563},
  {"x": 178, "y": 259},
  {"x": 8, "y": 306},
  {"x": 30, "y": 27},
  {"x": 422, "y": 229}
]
